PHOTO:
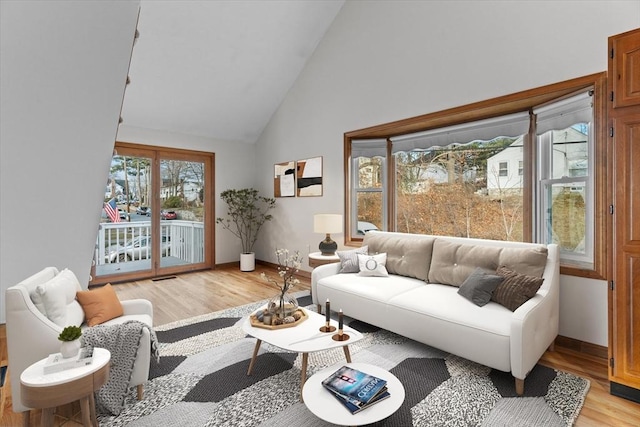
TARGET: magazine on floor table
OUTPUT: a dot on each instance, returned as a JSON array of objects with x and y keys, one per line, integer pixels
[
  {"x": 355, "y": 384},
  {"x": 354, "y": 406}
]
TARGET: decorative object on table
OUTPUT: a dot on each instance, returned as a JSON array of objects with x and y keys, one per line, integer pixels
[
  {"x": 283, "y": 309},
  {"x": 56, "y": 362},
  {"x": 327, "y": 327},
  {"x": 70, "y": 337},
  {"x": 265, "y": 320},
  {"x": 284, "y": 179},
  {"x": 356, "y": 389},
  {"x": 309, "y": 177},
  {"x": 340, "y": 336},
  {"x": 247, "y": 211},
  {"x": 327, "y": 224}
]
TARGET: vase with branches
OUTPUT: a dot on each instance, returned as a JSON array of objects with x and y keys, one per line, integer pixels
[{"x": 288, "y": 265}]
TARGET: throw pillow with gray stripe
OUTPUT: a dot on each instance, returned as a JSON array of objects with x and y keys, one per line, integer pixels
[{"x": 349, "y": 259}]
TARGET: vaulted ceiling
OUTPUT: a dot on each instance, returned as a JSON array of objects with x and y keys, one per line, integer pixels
[{"x": 219, "y": 69}]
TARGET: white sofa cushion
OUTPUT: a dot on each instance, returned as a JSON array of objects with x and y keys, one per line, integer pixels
[
  {"x": 443, "y": 302},
  {"x": 58, "y": 298},
  {"x": 370, "y": 288}
]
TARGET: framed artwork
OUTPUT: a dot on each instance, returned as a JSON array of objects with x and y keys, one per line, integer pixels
[
  {"x": 284, "y": 179},
  {"x": 309, "y": 177}
]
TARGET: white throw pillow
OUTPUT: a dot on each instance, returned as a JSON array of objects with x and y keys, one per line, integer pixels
[
  {"x": 58, "y": 296},
  {"x": 373, "y": 265}
]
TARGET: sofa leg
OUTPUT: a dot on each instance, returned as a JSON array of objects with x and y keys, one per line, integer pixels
[
  {"x": 519, "y": 387},
  {"x": 319, "y": 308},
  {"x": 140, "y": 391},
  {"x": 552, "y": 346}
]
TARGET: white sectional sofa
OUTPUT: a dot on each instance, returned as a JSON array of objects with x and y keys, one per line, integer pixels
[{"x": 419, "y": 298}]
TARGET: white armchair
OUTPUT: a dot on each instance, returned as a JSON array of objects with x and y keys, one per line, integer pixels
[{"x": 31, "y": 336}]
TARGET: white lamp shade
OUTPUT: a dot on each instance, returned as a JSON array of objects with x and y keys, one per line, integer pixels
[{"x": 327, "y": 223}]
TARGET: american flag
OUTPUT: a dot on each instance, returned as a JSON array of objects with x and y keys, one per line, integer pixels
[{"x": 112, "y": 210}]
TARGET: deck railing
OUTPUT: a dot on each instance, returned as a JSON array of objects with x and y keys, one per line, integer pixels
[{"x": 179, "y": 239}]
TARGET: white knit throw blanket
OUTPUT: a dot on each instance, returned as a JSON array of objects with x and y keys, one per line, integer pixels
[{"x": 122, "y": 341}]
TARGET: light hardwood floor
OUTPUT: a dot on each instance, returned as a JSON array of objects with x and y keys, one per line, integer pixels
[{"x": 202, "y": 292}]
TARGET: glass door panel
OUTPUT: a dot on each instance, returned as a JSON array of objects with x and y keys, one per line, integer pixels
[
  {"x": 123, "y": 244},
  {"x": 182, "y": 214}
]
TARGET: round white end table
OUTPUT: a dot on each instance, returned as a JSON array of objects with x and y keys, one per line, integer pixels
[
  {"x": 47, "y": 391},
  {"x": 325, "y": 406},
  {"x": 316, "y": 259}
]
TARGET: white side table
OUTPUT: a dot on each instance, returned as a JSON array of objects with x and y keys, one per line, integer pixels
[
  {"x": 317, "y": 259},
  {"x": 325, "y": 406},
  {"x": 47, "y": 391}
]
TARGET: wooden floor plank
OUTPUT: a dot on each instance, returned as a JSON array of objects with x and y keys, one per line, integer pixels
[{"x": 202, "y": 292}]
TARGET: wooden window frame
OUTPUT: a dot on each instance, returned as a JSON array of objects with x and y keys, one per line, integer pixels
[{"x": 508, "y": 104}]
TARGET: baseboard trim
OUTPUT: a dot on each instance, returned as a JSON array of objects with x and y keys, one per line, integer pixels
[
  {"x": 300, "y": 273},
  {"x": 624, "y": 391},
  {"x": 583, "y": 347}
]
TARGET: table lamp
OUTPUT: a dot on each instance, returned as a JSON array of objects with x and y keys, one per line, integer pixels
[{"x": 327, "y": 224}]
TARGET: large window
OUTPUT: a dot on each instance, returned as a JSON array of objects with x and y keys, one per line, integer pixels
[
  {"x": 452, "y": 181},
  {"x": 519, "y": 168},
  {"x": 565, "y": 177}
]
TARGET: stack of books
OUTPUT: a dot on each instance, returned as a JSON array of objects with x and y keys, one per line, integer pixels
[
  {"x": 56, "y": 363},
  {"x": 355, "y": 389}
]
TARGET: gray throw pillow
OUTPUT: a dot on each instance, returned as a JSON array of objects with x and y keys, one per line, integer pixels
[
  {"x": 479, "y": 286},
  {"x": 349, "y": 259},
  {"x": 515, "y": 289}
]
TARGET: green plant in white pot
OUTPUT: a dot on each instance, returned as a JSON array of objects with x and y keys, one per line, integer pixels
[
  {"x": 247, "y": 211},
  {"x": 70, "y": 337}
]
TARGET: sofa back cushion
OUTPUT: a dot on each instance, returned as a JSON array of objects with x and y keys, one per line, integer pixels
[
  {"x": 406, "y": 256},
  {"x": 452, "y": 263}
]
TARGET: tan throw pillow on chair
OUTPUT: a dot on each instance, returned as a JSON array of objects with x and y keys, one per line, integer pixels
[{"x": 100, "y": 304}]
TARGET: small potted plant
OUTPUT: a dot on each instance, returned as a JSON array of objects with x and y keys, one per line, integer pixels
[
  {"x": 70, "y": 337},
  {"x": 247, "y": 211}
]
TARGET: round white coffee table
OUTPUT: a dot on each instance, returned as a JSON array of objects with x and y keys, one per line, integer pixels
[{"x": 325, "y": 406}]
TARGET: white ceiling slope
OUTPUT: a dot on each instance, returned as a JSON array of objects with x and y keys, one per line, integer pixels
[{"x": 220, "y": 69}]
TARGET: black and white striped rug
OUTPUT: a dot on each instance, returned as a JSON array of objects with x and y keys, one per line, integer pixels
[{"x": 201, "y": 380}]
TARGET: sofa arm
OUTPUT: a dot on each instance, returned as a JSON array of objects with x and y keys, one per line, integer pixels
[
  {"x": 321, "y": 272},
  {"x": 137, "y": 306},
  {"x": 534, "y": 327}
]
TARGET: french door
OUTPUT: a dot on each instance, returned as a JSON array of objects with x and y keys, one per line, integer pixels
[{"x": 157, "y": 216}]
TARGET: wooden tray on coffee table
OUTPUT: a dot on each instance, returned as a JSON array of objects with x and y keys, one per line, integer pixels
[{"x": 258, "y": 324}]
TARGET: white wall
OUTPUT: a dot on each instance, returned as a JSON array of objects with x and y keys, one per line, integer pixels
[
  {"x": 234, "y": 168},
  {"x": 383, "y": 61},
  {"x": 63, "y": 71}
]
